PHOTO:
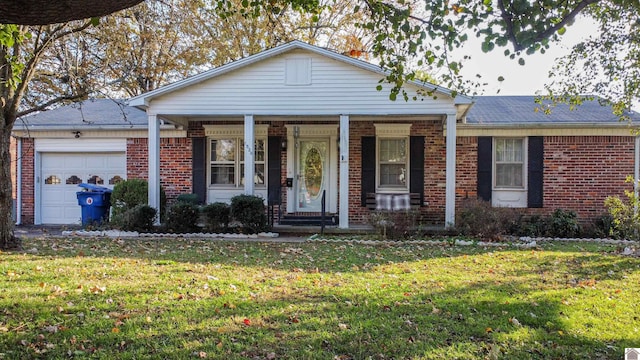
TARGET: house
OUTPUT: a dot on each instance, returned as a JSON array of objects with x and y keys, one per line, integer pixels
[
  {"x": 311, "y": 130},
  {"x": 97, "y": 141}
]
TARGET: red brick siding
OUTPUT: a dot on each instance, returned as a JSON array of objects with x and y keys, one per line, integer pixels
[
  {"x": 27, "y": 160},
  {"x": 434, "y": 165},
  {"x": 175, "y": 164},
  {"x": 579, "y": 172},
  {"x": 466, "y": 168}
]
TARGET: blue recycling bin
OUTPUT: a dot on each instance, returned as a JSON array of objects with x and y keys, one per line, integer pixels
[{"x": 95, "y": 202}]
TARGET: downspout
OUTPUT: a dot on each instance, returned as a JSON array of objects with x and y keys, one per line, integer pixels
[{"x": 19, "y": 182}]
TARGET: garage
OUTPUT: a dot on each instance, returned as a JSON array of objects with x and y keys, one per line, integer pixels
[{"x": 62, "y": 172}]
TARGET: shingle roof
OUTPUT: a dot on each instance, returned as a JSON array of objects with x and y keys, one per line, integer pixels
[
  {"x": 522, "y": 110},
  {"x": 94, "y": 113}
]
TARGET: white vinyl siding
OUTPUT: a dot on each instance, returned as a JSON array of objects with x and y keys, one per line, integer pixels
[{"x": 335, "y": 88}]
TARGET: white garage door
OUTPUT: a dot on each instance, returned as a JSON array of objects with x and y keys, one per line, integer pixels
[{"x": 62, "y": 172}]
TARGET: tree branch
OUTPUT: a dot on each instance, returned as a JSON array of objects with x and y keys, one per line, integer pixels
[
  {"x": 56, "y": 100},
  {"x": 508, "y": 19}
]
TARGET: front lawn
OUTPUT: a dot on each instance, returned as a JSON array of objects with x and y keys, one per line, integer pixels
[{"x": 189, "y": 299}]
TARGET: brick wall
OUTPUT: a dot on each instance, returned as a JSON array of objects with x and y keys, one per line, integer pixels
[
  {"x": 434, "y": 165},
  {"x": 175, "y": 164},
  {"x": 466, "y": 168},
  {"x": 579, "y": 172},
  {"x": 27, "y": 159}
]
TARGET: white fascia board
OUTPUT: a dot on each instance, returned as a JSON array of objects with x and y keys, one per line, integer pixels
[{"x": 142, "y": 101}]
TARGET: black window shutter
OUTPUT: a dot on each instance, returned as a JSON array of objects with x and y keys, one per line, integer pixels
[
  {"x": 368, "y": 173},
  {"x": 535, "y": 170},
  {"x": 416, "y": 166},
  {"x": 273, "y": 159},
  {"x": 198, "y": 168},
  {"x": 485, "y": 144}
]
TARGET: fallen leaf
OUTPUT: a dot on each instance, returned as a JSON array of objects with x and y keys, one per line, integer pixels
[
  {"x": 98, "y": 289},
  {"x": 515, "y": 322},
  {"x": 51, "y": 329},
  {"x": 343, "y": 326},
  {"x": 115, "y": 330},
  {"x": 488, "y": 330}
]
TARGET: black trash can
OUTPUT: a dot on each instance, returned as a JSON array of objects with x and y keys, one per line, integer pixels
[{"x": 95, "y": 201}]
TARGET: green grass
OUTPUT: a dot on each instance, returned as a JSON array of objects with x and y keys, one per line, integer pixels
[{"x": 188, "y": 299}]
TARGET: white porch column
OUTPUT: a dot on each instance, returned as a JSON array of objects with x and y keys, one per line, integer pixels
[
  {"x": 249, "y": 151},
  {"x": 344, "y": 173},
  {"x": 450, "y": 204},
  {"x": 153, "y": 148}
]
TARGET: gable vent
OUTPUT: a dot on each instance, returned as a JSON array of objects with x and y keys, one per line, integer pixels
[{"x": 297, "y": 71}]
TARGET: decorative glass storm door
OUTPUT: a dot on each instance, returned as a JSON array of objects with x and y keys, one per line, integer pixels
[{"x": 312, "y": 175}]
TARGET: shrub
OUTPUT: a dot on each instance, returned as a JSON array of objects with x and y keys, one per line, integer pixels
[
  {"x": 604, "y": 227},
  {"x": 478, "y": 218},
  {"x": 139, "y": 218},
  {"x": 625, "y": 218},
  {"x": 188, "y": 198},
  {"x": 249, "y": 211},
  {"x": 394, "y": 224},
  {"x": 563, "y": 224},
  {"x": 182, "y": 218},
  {"x": 529, "y": 226},
  {"x": 130, "y": 193},
  {"x": 217, "y": 217}
]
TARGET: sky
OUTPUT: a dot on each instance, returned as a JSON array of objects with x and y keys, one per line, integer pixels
[{"x": 520, "y": 80}]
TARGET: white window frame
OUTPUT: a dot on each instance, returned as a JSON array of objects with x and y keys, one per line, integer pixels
[
  {"x": 393, "y": 132},
  {"x": 238, "y": 163},
  {"x": 510, "y": 196},
  {"x": 236, "y": 133},
  {"x": 495, "y": 163}
]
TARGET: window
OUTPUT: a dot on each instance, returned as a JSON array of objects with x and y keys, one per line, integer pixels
[
  {"x": 227, "y": 162},
  {"x": 509, "y": 163},
  {"x": 392, "y": 163}
]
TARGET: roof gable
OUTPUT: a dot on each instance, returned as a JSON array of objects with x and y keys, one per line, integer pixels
[{"x": 144, "y": 99}]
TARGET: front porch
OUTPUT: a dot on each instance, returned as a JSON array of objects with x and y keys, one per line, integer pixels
[{"x": 306, "y": 124}]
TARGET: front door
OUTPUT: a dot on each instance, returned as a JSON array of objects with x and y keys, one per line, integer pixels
[{"x": 312, "y": 174}]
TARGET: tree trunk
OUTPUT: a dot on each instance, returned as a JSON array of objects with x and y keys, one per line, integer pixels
[{"x": 8, "y": 240}]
